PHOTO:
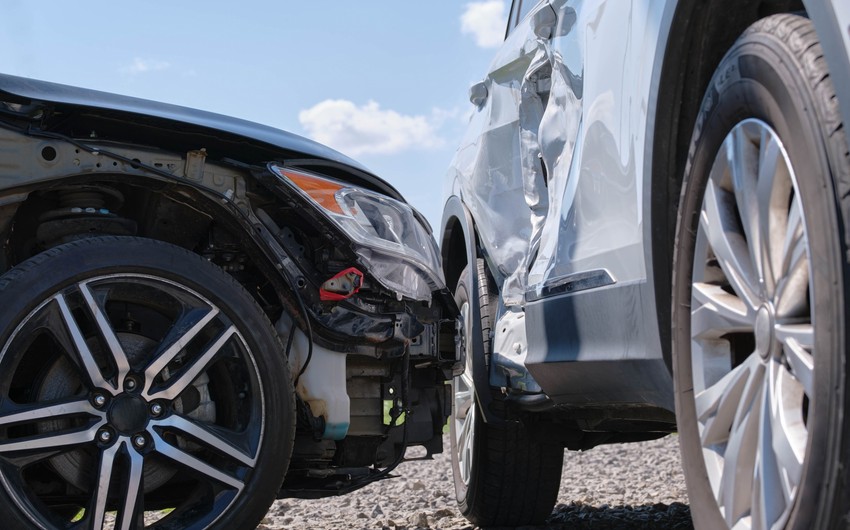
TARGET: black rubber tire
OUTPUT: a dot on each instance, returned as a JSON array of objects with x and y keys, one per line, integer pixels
[
  {"x": 514, "y": 479},
  {"x": 776, "y": 73},
  {"x": 25, "y": 287}
]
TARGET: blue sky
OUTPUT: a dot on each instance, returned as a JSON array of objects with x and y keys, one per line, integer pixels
[{"x": 382, "y": 81}]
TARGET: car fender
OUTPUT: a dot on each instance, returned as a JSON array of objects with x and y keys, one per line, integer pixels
[{"x": 457, "y": 216}]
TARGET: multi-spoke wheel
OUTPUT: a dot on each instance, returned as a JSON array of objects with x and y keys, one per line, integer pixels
[
  {"x": 464, "y": 413},
  {"x": 503, "y": 476},
  {"x": 138, "y": 384},
  {"x": 759, "y": 340}
]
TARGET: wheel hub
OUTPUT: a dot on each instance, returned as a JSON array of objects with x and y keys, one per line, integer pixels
[
  {"x": 128, "y": 414},
  {"x": 764, "y": 331}
]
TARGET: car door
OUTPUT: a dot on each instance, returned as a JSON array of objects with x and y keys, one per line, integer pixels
[
  {"x": 497, "y": 167},
  {"x": 591, "y": 140},
  {"x": 589, "y": 269}
]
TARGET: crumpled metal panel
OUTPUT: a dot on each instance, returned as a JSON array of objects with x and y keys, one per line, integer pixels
[
  {"x": 550, "y": 168},
  {"x": 497, "y": 168},
  {"x": 596, "y": 190},
  {"x": 510, "y": 349}
]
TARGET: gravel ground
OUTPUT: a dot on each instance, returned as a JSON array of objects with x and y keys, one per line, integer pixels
[{"x": 637, "y": 485}]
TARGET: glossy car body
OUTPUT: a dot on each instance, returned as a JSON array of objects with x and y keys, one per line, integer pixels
[
  {"x": 567, "y": 185},
  {"x": 358, "y": 303}
]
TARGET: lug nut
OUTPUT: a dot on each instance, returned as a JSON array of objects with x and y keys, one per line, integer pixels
[
  {"x": 139, "y": 441},
  {"x": 156, "y": 409},
  {"x": 104, "y": 436},
  {"x": 99, "y": 400},
  {"x": 130, "y": 384}
]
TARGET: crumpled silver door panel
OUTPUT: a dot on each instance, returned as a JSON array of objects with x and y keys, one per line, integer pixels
[
  {"x": 551, "y": 164},
  {"x": 551, "y": 168},
  {"x": 497, "y": 167},
  {"x": 596, "y": 183}
]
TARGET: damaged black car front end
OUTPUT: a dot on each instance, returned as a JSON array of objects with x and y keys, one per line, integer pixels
[{"x": 189, "y": 299}]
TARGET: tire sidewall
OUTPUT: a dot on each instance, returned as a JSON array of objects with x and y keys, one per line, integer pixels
[
  {"x": 760, "y": 79},
  {"x": 22, "y": 290}
]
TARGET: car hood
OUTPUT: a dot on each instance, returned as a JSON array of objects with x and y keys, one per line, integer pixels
[{"x": 47, "y": 92}]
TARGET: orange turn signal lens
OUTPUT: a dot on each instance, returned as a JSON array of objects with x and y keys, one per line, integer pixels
[{"x": 322, "y": 191}]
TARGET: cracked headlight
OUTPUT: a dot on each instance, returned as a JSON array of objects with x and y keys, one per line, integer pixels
[{"x": 392, "y": 243}]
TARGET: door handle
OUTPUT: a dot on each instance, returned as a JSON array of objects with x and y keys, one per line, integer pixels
[{"x": 478, "y": 93}]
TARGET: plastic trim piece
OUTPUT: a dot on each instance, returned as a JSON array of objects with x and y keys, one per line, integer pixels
[{"x": 573, "y": 283}]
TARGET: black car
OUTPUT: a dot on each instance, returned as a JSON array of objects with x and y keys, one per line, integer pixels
[{"x": 200, "y": 314}]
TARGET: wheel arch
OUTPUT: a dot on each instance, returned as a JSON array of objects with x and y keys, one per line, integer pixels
[
  {"x": 698, "y": 36},
  {"x": 195, "y": 211},
  {"x": 459, "y": 248},
  {"x": 457, "y": 244}
]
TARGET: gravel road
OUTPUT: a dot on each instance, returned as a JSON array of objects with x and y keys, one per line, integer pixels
[{"x": 637, "y": 485}]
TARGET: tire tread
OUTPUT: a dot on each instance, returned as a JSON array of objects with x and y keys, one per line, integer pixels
[{"x": 518, "y": 477}]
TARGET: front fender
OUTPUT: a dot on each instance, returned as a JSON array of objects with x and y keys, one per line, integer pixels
[{"x": 456, "y": 217}]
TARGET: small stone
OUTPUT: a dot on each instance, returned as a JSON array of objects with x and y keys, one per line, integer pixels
[
  {"x": 376, "y": 511},
  {"x": 417, "y": 485},
  {"x": 420, "y": 520}
]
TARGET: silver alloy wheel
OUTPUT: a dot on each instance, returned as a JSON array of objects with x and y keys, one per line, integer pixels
[
  {"x": 464, "y": 400},
  {"x": 752, "y": 329},
  {"x": 126, "y": 412}
]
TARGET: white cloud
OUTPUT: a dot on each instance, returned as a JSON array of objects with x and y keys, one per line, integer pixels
[
  {"x": 369, "y": 129},
  {"x": 439, "y": 116},
  {"x": 141, "y": 66},
  {"x": 486, "y": 22}
]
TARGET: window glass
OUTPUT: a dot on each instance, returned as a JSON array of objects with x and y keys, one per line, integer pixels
[
  {"x": 526, "y": 7},
  {"x": 519, "y": 10},
  {"x": 512, "y": 17}
]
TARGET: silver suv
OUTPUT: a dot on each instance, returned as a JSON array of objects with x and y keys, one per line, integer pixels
[{"x": 646, "y": 227}]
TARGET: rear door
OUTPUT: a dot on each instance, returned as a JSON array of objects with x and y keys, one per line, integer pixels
[{"x": 592, "y": 143}]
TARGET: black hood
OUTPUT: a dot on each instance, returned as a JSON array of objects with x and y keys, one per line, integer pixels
[{"x": 164, "y": 115}]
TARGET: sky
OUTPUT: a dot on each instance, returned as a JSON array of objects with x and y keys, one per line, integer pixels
[{"x": 383, "y": 81}]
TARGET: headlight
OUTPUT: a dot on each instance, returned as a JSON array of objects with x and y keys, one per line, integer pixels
[{"x": 392, "y": 244}]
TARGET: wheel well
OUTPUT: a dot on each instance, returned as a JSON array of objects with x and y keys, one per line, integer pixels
[
  {"x": 701, "y": 33},
  {"x": 453, "y": 252},
  {"x": 74, "y": 209}
]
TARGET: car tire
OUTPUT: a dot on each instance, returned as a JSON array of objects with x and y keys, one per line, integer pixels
[
  {"x": 140, "y": 379},
  {"x": 760, "y": 289},
  {"x": 502, "y": 475}
]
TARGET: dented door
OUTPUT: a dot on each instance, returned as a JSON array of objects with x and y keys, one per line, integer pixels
[
  {"x": 592, "y": 145},
  {"x": 552, "y": 164},
  {"x": 497, "y": 170}
]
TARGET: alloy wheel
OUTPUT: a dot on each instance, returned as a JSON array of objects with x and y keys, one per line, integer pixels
[
  {"x": 464, "y": 413},
  {"x": 752, "y": 329},
  {"x": 131, "y": 397}
]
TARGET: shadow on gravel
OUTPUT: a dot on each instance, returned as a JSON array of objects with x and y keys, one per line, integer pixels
[
  {"x": 577, "y": 516},
  {"x": 581, "y": 516}
]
